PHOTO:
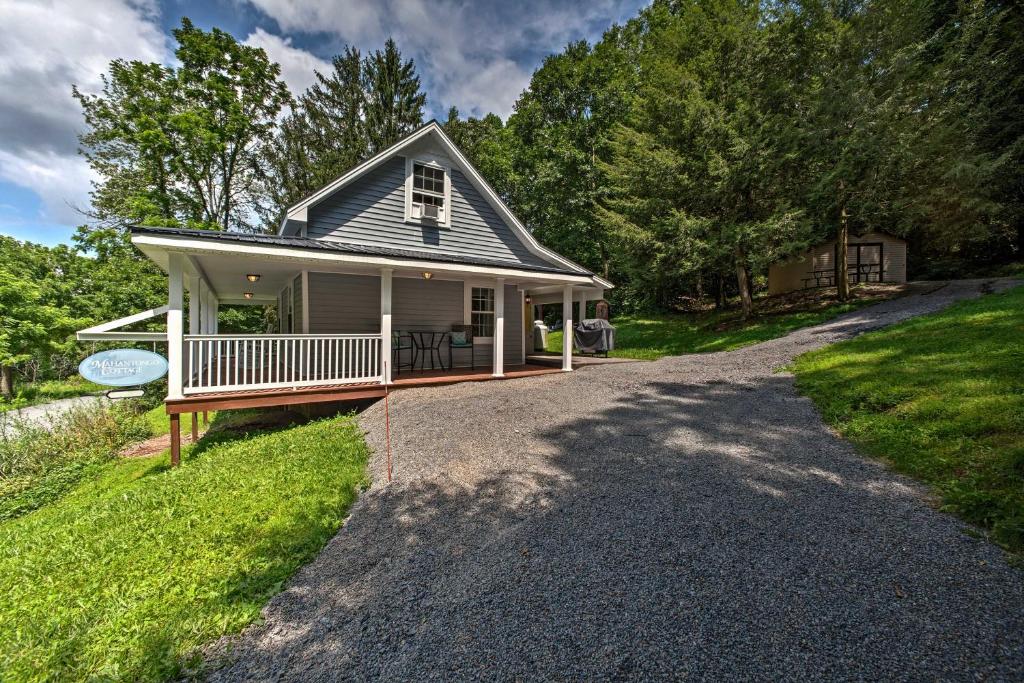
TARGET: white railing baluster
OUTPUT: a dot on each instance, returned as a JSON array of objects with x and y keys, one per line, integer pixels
[{"x": 245, "y": 362}]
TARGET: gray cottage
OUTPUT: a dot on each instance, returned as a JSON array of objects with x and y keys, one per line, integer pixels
[{"x": 407, "y": 270}]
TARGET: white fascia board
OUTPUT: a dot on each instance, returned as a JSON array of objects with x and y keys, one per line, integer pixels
[
  {"x": 157, "y": 248},
  {"x": 299, "y": 211},
  {"x": 122, "y": 336},
  {"x": 104, "y": 330}
]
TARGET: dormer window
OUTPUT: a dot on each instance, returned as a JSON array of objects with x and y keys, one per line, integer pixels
[{"x": 428, "y": 193}]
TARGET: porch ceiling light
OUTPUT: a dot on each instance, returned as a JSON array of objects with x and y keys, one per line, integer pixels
[
  {"x": 252, "y": 277},
  {"x": 248, "y": 295},
  {"x": 427, "y": 275},
  {"x": 528, "y": 299}
]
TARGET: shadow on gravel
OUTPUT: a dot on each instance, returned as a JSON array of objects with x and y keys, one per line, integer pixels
[{"x": 680, "y": 530}]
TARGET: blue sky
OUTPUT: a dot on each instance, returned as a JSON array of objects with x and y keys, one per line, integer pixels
[{"x": 477, "y": 56}]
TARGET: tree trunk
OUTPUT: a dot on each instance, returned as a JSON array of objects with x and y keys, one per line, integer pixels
[
  {"x": 741, "y": 279},
  {"x": 6, "y": 381},
  {"x": 842, "y": 258},
  {"x": 720, "y": 291}
]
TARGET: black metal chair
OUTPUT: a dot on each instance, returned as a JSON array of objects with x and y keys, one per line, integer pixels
[
  {"x": 402, "y": 341},
  {"x": 467, "y": 343}
]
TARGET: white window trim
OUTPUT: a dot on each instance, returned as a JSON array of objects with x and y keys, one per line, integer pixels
[
  {"x": 434, "y": 162},
  {"x": 467, "y": 317}
]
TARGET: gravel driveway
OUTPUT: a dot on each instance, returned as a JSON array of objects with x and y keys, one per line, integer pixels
[
  {"x": 690, "y": 517},
  {"x": 44, "y": 414}
]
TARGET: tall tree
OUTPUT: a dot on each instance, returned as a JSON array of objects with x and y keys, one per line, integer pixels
[
  {"x": 179, "y": 146},
  {"x": 394, "y": 101},
  {"x": 558, "y": 126},
  {"x": 321, "y": 138},
  {"x": 700, "y": 173},
  {"x": 489, "y": 146},
  {"x": 360, "y": 107}
]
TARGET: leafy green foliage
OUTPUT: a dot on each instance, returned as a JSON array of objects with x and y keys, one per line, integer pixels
[
  {"x": 139, "y": 565},
  {"x": 39, "y": 465},
  {"x": 179, "y": 145},
  {"x": 946, "y": 408},
  {"x": 394, "y": 103},
  {"x": 44, "y": 391},
  {"x": 30, "y": 323},
  {"x": 705, "y": 138}
]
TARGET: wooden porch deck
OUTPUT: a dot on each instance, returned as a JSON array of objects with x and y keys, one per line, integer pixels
[{"x": 267, "y": 398}]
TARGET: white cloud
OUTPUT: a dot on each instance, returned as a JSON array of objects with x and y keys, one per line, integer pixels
[
  {"x": 297, "y": 66},
  {"x": 45, "y": 47},
  {"x": 466, "y": 52}
]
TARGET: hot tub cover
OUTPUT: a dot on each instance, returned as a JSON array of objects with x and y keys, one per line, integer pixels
[{"x": 594, "y": 336}]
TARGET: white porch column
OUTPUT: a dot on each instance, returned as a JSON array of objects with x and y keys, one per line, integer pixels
[
  {"x": 385, "y": 323},
  {"x": 174, "y": 325},
  {"x": 499, "y": 328},
  {"x": 567, "y": 327},
  {"x": 195, "y": 304},
  {"x": 583, "y": 305},
  {"x": 214, "y": 308},
  {"x": 204, "y": 313},
  {"x": 305, "y": 302}
]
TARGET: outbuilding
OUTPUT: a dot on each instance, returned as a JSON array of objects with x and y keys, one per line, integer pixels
[{"x": 872, "y": 257}]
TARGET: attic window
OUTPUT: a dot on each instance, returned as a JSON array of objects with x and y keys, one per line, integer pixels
[{"x": 429, "y": 201}]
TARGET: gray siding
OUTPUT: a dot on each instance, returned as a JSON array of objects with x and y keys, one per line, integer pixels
[
  {"x": 344, "y": 304},
  {"x": 297, "y": 311},
  {"x": 350, "y": 304},
  {"x": 418, "y": 304},
  {"x": 372, "y": 211}
]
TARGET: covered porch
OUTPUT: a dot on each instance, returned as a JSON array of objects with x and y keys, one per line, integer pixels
[{"x": 343, "y": 319}]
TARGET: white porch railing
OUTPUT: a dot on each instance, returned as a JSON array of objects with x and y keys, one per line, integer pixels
[{"x": 240, "y": 362}]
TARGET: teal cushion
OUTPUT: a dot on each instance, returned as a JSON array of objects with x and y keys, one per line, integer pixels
[{"x": 459, "y": 338}]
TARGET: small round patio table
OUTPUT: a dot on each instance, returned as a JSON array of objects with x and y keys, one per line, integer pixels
[{"x": 428, "y": 343}]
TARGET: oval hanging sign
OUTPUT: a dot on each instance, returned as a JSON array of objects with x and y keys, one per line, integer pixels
[{"x": 123, "y": 367}]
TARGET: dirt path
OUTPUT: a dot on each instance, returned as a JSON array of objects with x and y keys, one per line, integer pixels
[{"x": 689, "y": 517}]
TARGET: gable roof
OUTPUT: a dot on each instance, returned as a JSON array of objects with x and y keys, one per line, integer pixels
[{"x": 299, "y": 210}]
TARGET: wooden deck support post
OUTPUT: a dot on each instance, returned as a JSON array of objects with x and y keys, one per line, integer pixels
[
  {"x": 175, "y": 439},
  {"x": 195, "y": 427},
  {"x": 567, "y": 328}
]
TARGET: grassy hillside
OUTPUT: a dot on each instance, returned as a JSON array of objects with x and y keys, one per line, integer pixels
[
  {"x": 651, "y": 337},
  {"x": 138, "y": 565},
  {"x": 940, "y": 398}
]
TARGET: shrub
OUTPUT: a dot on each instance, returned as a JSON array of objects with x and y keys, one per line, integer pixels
[{"x": 39, "y": 464}]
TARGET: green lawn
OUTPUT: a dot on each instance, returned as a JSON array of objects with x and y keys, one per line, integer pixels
[
  {"x": 128, "y": 573},
  {"x": 941, "y": 398},
  {"x": 159, "y": 421},
  {"x": 50, "y": 390},
  {"x": 654, "y": 336}
]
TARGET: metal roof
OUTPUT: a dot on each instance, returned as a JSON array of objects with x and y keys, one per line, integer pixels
[{"x": 347, "y": 248}]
